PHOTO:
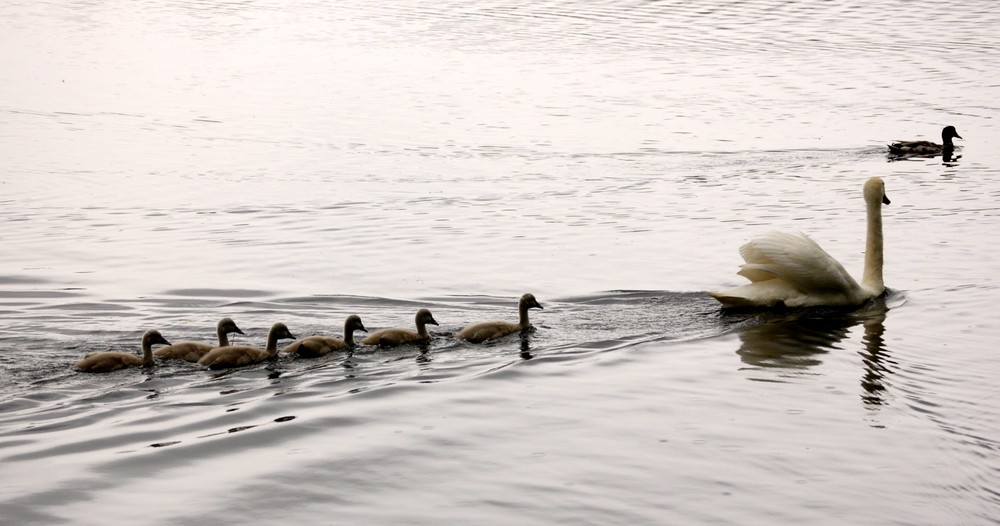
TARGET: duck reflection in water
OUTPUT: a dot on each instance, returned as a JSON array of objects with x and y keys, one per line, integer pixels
[
  {"x": 948, "y": 157},
  {"x": 795, "y": 342}
]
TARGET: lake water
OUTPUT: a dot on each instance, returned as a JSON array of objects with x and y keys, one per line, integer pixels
[{"x": 168, "y": 163}]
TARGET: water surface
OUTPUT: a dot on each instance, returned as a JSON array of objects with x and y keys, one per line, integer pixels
[{"x": 168, "y": 163}]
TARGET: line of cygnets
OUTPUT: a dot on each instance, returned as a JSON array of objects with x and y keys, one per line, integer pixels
[{"x": 223, "y": 355}]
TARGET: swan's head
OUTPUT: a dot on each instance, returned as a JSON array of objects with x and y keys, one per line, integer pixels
[
  {"x": 353, "y": 323},
  {"x": 948, "y": 132},
  {"x": 424, "y": 317},
  {"x": 528, "y": 301},
  {"x": 227, "y": 325},
  {"x": 281, "y": 332},
  {"x": 153, "y": 337},
  {"x": 875, "y": 191}
]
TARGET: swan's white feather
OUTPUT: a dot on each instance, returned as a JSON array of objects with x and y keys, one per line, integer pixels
[{"x": 795, "y": 258}]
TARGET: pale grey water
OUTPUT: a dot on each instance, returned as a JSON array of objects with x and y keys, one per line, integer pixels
[{"x": 168, "y": 163}]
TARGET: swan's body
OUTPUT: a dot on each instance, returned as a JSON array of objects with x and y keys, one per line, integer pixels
[
  {"x": 105, "y": 362},
  {"x": 491, "y": 330},
  {"x": 791, "y": 270},
  {"x": 314, "y": 346},
  {"x": 905, "y": 148},
  {"x": 394, "y": 337},
  {"x": 240, "y": 355},
  {"x": 193, "y": 351}
]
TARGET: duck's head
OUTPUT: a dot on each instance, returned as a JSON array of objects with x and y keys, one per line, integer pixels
[{"x": 948, "y": 132}]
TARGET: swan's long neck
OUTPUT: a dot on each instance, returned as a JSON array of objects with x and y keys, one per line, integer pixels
[
  {"x": 872, "y": 277},
  {"x": 223, "y": 337},
  {"x": 422, "y": 329}
]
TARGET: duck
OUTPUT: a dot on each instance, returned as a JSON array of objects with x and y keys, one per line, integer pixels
[
  {"x": 394, "y": 337},
  {"x": 240, "y": 355},
  {"x": 491, "y": 330},
  {"x": 107, "y": 361},
  {"x": 788, "y": 269},
  {"x": 193, "y": 351},
  {"x": 927, "y": 147},
  {"x": 316, "y": 346}
]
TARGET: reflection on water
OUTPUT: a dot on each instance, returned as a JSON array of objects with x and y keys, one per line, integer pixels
[
  {"x": 876, "y": 358},
  {"x": 790, "y": 344},
  {"x": 948, "y": 156},
  {"x": 526, "y": 346}
]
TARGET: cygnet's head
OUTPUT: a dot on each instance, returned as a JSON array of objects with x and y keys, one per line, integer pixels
[
  {"x": 353, "y": 323},
  {"x": 528, "y": 301},
  {"x": 152, "y": 337},
  {"x": 227, "y": 325},
  {"x": 424, "y": 317},
  {"x": 281, "y": 332}
]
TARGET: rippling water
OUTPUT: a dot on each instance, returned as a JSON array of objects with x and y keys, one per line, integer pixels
[{"x": 167, "y": 163}]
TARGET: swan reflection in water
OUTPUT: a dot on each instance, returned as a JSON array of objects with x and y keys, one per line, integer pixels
[{"x": 796, "y": 341}]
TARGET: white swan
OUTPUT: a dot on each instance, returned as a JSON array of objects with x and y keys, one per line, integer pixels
[
  {"x": 491, "y": 330},
  {"x": 791, "y": 270},
  {"x": 193, "y": 351},
  {"x": 105, "y": 362}
]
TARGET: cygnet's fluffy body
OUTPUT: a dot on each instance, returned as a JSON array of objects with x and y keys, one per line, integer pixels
[
  {"x": 491, "y": 330},
  {"x": 395, "y": 336},
  {"x": 105, "y": 362},
  {"x": 240, "y": 355},
  {"x": 315, "y": 346},
  {"x": 193, "y": 351}
]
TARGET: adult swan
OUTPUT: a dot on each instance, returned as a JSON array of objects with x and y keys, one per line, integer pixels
[{"x": 791, "y": 270}]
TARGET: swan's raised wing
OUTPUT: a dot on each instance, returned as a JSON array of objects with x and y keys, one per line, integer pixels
[{"x": 796, "y": 259}]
